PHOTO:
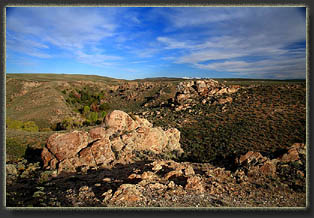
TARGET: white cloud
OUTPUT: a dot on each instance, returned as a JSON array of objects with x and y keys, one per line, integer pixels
[
  {"x": 146, "y": 52},
  {"x": 26, "y": 46},
  {"x": 182, "y": 17},
  {"x": 63, "y": 27},
  {"x": 97, "y": 59},
  {"x": 175, "y": 44},
  {"x": 257, "y": 33},
  {"x": 246, "y": 41},
  {"x": 69, "y": 29}
]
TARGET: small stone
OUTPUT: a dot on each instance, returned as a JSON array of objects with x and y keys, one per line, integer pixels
[
  {"x": 195, "y": 183},
  {"x": 157, "y": 167},
  {"x": 189, "y": 171},
  {"x": 106, "y": 179},
  {"x": 157, "y": 186},
  {"x": 40, "y": 188},
  {"x": 38, "y": 194},
  {"x": 107, "y": 195},
  {"x": 11, "y": 169},
  {"x": 20, "y": 166},
  {"x": 84, "y": 188},
  {"x": 171, "y": 185}
]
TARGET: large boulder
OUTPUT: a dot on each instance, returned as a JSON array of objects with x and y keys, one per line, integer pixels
[
  {"x": 67, "y": 145},
  {"x": 120, "y": 120},
  {"x": 109, "y": 145}
]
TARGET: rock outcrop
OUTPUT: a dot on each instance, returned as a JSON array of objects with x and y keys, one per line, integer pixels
[
  {"x": 202, "y": 91},
  {"x": 256, "y": 165},
  {"x": 116, "y": 142}
]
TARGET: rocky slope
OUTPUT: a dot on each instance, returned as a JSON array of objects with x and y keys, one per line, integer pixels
[{"x": 124, "y": 164}]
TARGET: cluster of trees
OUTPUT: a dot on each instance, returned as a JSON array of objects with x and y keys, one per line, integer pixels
[
  {"x": 29, "y": 126},
  {"x": 88, "y": 103}
]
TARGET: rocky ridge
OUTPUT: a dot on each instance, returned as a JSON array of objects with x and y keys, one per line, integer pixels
[{"x": 202, "y": 91}]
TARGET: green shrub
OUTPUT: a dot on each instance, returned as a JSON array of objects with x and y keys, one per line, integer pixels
[
  {"x": 87, "y": 122},
  {"x": 103, "y": 114},
  {"x": 93, "y": 117},
  {"x": 104, "y": 107},
  {"x": 15, "y": 149},
  {"x": 67, "y": 123},
  {"x": 45, "y": 129},
  {"x": 86, "y": 109},
  {"x": 30, "y": 126},
  {"x": 14, "y": 124}
]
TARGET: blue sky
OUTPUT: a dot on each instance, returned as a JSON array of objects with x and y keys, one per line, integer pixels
[{"x": 142, "y": 42}]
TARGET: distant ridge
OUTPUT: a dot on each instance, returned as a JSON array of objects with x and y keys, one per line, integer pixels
[
  {"x": 98, "y": 78},
  {"x": 60, "y": 77}
]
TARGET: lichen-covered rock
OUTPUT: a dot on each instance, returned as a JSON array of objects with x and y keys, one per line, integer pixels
[
  {"x": 143, "y": 122},
  {"x": 120, "y": 120},
  {"x": 69, "y": 165},
  {"x": 127, "y": 194},
  {"x": 67, "y": 145},
  {"x": 173, "y": 135},
  {"x": 104, "y": 147},
  {"x": 225, "y": 100},
  {"x": 97, "y": 133},
  {"x": 11, "y": 173},
  {"x": 102, "y": 153},
  {"x": 195, "y": 183},
  {"x": 46, "y": 156},
  {"x": 202, "y": 91},
  {"x": 294, "y": 152}
]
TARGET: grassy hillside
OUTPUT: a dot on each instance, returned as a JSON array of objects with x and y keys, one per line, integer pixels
[{"x": 60, "y": 77}]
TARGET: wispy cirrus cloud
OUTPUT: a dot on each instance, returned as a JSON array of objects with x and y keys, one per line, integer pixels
[
  {"x": 228, "y": 41},
  {"x": 35, "y": 29},
  {"x": 97, "y": 59},
  {"x": 261, "y": 33},
  {"x": 27, "y": 46}
]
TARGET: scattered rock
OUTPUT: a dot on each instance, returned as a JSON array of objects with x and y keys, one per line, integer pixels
[
  {"x": 127, "y": 195},
  {"x": 294, "y": 152},
  {"x": 225, "y": 100},
  {"x": 195, "y": 183},
  {"x": 202, "y": 91},
  {"x": 11, "y": 170}
]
